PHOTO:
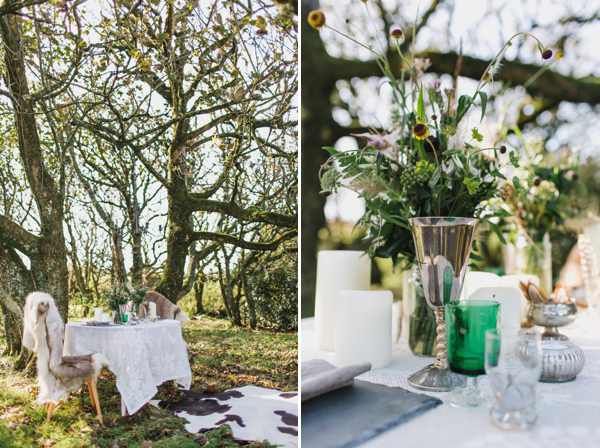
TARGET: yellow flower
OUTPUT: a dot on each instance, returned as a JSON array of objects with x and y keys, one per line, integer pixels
[
  {"x": 421, "y": 131},
  {"x": 316, "y": 19},
  {"x": 559, "y": 54}
]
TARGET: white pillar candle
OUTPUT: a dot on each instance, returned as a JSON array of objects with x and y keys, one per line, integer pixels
[
  {"x": 475, "y": 280},
  {"x": 98, "y": 314},
  {"x": 337, "y": 270},
  {"x": 512, "y": 281},
  {"x": 151, "y": 310},
  {"x": 105, "y": 317},
  {"x": 510, "y": 304},
  {"x": 363, "y": 331}
]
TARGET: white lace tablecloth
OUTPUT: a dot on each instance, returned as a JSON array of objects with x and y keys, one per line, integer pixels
[
  {"x": 141, "y": 356},
  {"x": 568, "y": 413}
]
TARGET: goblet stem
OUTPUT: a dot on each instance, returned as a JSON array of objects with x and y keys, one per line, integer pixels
[
  {"x": 471, "y": 385},
  {"x": 441, "y": 360}
]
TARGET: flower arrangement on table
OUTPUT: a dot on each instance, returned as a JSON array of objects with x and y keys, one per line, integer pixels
[
  {"x": 121, "y": 295},
  {"x": 422, "y": 166},
  {"x": 550, "y": 190}
]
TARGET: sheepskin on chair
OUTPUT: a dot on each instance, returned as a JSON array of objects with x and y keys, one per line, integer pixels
[
  {"x": 164, "y": 307},
  {"x": 43, "y": 333}
]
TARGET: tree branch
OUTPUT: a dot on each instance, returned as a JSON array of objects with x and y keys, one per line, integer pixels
[{"x": 239, "y": 242}]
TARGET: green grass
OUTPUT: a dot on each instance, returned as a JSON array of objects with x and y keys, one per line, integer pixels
[{"x": 221, "y": 358}]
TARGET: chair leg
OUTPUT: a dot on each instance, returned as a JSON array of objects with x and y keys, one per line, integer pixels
[
  {"x": 89, "y": 384},
  {"x": 50, "y": 409},
  {"x": 96, "y": 400}
]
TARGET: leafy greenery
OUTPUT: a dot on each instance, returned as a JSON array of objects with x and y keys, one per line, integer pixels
[
  {"x": 221, "y": 358},
  {"x": 421, "y": 166}
]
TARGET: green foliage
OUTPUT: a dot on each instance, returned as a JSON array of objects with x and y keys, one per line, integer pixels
[{"x": 275, "y": 294}]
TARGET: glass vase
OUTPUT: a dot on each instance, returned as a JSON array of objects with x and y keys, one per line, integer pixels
[
  {"x": 534, "y": 257},
  {"x": 422, "y": 336}
]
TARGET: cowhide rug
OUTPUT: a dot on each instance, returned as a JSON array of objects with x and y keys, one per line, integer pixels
[{"x": 252, "y": 413}]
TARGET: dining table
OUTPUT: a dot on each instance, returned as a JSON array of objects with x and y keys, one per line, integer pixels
[
  {"x": 142, "y": 356},
  {"x": 568, "y": 412}
]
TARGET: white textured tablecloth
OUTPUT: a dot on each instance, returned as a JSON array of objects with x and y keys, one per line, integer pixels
[
  {"x": 141, "y": 356},
  {"x": 569, "y": 413}
]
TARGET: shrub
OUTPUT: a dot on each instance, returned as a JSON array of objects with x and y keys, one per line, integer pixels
[{"x": 276, "y": 297}]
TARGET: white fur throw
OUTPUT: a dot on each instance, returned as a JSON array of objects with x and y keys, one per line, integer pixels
[{"x": 43, "y": 333}]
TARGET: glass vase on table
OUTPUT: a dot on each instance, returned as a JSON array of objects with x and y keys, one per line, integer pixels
[
  {"x": 422, "y": 334},
  {"x": 467, "y": 322}
]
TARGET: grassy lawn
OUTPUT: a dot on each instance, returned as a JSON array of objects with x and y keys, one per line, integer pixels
[{"x": 221, "y": 358}]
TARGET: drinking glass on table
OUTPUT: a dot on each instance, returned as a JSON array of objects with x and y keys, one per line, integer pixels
[
  {"x": 467, "y": 322},
  {"x": 513, "y": 363}
]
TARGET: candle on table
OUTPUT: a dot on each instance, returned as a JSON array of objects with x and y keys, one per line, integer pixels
[
  {"x": 475, "y": 280},
  {"x": 105, "y": 317},
  {"x": 510, "y": 304},
  {"x": 152, "y": 310},
  {"x": 98, "y": 314},
  {"x": 337, "y": 270},
  {"x": 363, "y": 331},
  {"x": 512, "y": 281}
]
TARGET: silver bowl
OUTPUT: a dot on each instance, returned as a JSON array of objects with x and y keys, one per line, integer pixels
[
  {"x": 561, "y": 361},
  {"x": 552, "y": 315}
]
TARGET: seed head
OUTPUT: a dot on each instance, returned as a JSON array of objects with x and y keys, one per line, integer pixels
[{"x": 316, "y": 19}]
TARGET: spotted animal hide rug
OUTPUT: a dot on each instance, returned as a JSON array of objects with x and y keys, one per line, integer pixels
[{"x": 252, "y": 413}]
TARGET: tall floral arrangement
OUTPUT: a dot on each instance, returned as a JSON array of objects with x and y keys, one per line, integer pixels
[
  {"x": 421, "y": 166},
  {"x": 549, "y": 189}
]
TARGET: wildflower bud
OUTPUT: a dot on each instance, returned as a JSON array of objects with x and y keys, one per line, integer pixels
[
  {"x": 316, "y": 19},
  {"x": 374, "y": 144},
  {"x": 536, "y": 181},
  {"x": 325, "y": 193},
  {"x": 434, "y": 117},
  {"x": 575, "y": 176},
  {"x": 547, "y": 54},
  {"x": 397, "y": 33},
  {"x": 502, "y": 149}
]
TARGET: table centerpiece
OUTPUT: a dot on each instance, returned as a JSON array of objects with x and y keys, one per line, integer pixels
[{"x": 424, "y": 185}]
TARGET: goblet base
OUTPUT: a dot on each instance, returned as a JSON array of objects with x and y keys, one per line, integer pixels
[
  {"x": 466, "y": 397},
  {"x": 432, "y": 379},
  {"x": 519, "y": 420}
]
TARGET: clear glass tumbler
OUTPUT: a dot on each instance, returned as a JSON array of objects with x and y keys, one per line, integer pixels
[{"x": 513, "y": 363}]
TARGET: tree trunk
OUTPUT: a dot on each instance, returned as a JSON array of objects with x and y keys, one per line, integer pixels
[
  {"x": 138, "y": 261},
  {"x": 316, "y": 114},
  {"x": 120, "y": 274},
  {"x": 198, "y": 293},
  {"x": 249, "y": 296},
  {"x": 49, "y": 257}
]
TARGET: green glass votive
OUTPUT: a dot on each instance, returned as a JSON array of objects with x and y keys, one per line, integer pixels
[{"x": 466, "y": 324}]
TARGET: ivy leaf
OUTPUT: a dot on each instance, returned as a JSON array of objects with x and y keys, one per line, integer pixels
[
  {"x": 516, "y": 182},
  {"x": 421, "y": 106},
  {"x": 497, "y": 231},
  {"x": 484, "y": 99}
]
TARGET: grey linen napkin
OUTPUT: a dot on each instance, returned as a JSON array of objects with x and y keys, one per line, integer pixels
[{"x": 319, "y": 377}]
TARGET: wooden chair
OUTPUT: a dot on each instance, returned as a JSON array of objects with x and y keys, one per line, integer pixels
[{"x": 91, "y": 383}]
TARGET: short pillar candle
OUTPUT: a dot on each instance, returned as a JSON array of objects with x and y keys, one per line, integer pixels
[
  {"x": 364, "y": 328},
  {"x": 337, "y": 270}
]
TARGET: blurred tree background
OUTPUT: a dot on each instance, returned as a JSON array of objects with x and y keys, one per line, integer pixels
[
  {"x": 343, "y": 93},
  {"x": 150, "y": 143}
]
